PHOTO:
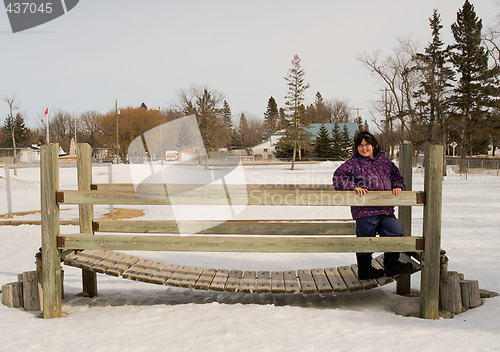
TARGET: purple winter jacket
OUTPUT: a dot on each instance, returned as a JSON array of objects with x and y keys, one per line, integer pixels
[{"x": 377, "y": 174}]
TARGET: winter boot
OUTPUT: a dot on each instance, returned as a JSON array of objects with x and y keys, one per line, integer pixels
[
  {"x": 393, "y": 266},
  {"x": 365, "y": 268}
]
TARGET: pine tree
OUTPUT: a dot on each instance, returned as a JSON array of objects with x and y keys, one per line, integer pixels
[
  {"x": 294, "y": 101},
  {"x": 337, "y": 146},
  {"x": 434, "y": 86},
  {"x": 21, "y": 132},
  {"x": 346, "y": 142},
  {"x": 271, "y": 118},
  {"x": 470, "y": 60},
  {"x": 323, "y": 146}
]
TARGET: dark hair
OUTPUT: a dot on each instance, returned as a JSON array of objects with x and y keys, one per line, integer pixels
[{"x": 369, "y": 138}]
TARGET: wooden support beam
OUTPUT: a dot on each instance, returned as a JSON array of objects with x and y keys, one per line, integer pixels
[
  {"x": 240, "y": 244},
  {"x": 86, "y": 211},
  {"x": 240, "y": 197},
  {"x": 429, "y": 285},
  {"x": 51, "y": 263}
]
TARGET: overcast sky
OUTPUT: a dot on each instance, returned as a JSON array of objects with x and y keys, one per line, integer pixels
[{"x": 146, "y": 51}]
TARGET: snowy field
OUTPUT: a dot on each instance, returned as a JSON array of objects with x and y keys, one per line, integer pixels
[{"x": 134, "y": 316}]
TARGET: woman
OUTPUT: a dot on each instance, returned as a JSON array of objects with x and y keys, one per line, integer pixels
[{"x": 370, "y": 170}]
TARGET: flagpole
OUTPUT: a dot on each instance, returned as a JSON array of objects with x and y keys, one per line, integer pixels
[{"x": 46, "y": 116}]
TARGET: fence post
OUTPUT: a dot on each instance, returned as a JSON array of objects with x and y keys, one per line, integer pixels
[
  {"x": 429, "y": 285},
  {"x": 9, "y": 190},
  {"x": 86, "y": 211},
  {"x": 51, "y": 263},
  {"x": 403, "y": 284},
  {"x": 110, "y": 180}
]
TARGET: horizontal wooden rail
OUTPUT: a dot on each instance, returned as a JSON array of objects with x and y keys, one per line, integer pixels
[
  {"x": 235, "y": 227},
  {"x": 236, "y": 196},
  {"x": 241, "y": 244}
]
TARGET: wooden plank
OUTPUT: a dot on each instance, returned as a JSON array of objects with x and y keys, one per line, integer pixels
[
  {"x": 378, "y": 263},
  {"x": 291, "y": 283},
  {"x": 307, "y": 284},
  {"x": 234, "y": 281},
  {"x": 107, "y": 262},
  {"x": 240, "y": 244},
  {"x": 147, "y": 274},
  {"x": 205, "y": 279},
  {"x": 277, "y": 282},
  {"x": 367, "y": 283},
  {"x": 336, "y": 281},
  {"x": 241, "y": 197},
  {"x": 234, "y": 227},
  {"x": 350, "y": 279},
  {"x": 121, "y": 265},
  {"x": 137, "y": 268},
  {"x": 191, "y": 276},
  {"x": 163, "y": 274},
  {"x": 248, "y": 282},
  {"x": 429, "y": 279},
  {"x": 321, "y": 281},
  {"x": 177, "y": 276},
  {"x": 263, "y": 282},
  {"x": 51, "y": 263},
  {"x": 219, "y": 281},
  {"x": 88, "y": 258}
]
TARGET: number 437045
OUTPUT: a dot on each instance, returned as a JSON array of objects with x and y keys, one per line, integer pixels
[{"x": 29, "y": 7}]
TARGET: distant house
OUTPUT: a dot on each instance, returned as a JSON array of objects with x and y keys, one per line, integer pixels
[
  {"x": 24, "y": 153},
  {"x": 267, "y": 148}
]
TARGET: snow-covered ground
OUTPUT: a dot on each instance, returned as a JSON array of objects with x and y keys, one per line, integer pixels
[{"x": 134, "y": 316}]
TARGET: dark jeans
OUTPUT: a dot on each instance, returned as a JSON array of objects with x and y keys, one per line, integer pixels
[{"x": 384, "y": 225}]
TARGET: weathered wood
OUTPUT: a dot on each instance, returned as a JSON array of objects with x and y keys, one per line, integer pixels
[
  {"x": 12, "y": 294},
  {"x": 163, "y": 274},
  {"x": 403, "y": 283},
  {"x": 177, "y": 276},
  {"x": 234, "y": 281},
  {"x": 205, "y": 279},
  {"x": 137, "y": 269},
  {"x": 51, "y": 266},
  {"x": 263, "y": 282},
  {"x": 30, "y": 291},
  {"x": 336, "y": 281},
  {"x": 378, "y": 263},
  {"x": 321, "y": 281},
  {"x": 122, "y": 265},
  {"x": 191, "y": 276},
  {"x": 219, "y": 281},
  {"x": 350, "y": 278},
  {"x": 450, "y": 295},
  {"x": 270, "y": 197},
  {"x": 307, "y": 283},
  {"x": 429, "y": 283},
  {"x": 239, "y": 244},
  {"x": 471, "y": 297},
  {"x": 367, "y": 283},
  {"x": 86, "y": 211},
  {"x": 148, "y": 274},
  {"x": 277, "y": 282},
  {"x": 248, "y": 282},
  {"x": 234, "y": 227},
  {"x": 291, "y": 283}
]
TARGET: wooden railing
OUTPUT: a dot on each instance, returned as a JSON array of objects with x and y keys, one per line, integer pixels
[{"x": 286, "y": 236}]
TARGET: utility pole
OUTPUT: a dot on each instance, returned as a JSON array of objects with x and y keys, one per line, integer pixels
[
  {"x": 358, "y": 118},
  {"x": 117, "y": 140}
]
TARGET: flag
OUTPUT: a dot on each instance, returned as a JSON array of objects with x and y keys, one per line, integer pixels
[{"x": 46, "y": 113}]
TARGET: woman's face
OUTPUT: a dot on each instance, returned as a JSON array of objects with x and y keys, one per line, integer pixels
[{"x": 365, "y": 149}]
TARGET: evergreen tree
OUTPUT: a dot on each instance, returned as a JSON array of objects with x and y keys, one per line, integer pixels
[
  {"x": 227, "y": 115},
  {"x": 470, "y": 60},
  {"x": 271, "y": 118},
  {"x": 294, "y": 102},
  {"x": 337, "y": 146},
  {"x": 323, "y": 146},
  {"x": 346, "y": 142},
  {"x": 434, "y": 85},
  {"x": 21, "y": 132}
]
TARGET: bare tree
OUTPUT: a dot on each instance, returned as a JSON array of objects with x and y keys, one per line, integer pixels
[
  {"x": 62, "y": 128},
  {"x": 340, "y": 111},
  {"x": 11, "y": 101}
]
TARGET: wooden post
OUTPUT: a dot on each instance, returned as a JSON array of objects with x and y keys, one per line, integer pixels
[
  {"x": 429, "y": 284},
  {"x": 51, "y": 263},
  {"x": 403, "y": 284},
  {"x": 12, "y": 294},
  {"x": 86, "y": 211}
]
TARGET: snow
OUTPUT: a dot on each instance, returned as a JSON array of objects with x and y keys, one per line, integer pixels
[{"x": 134, "y": 316}]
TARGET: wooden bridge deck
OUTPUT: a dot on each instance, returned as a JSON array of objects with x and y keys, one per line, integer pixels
[{"x": 305, "y": 281}]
